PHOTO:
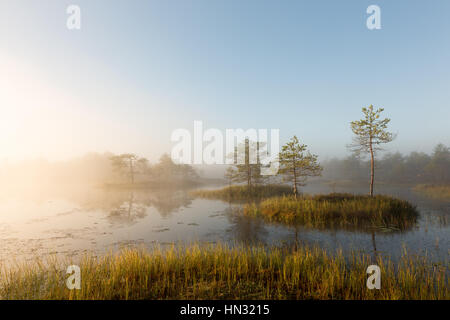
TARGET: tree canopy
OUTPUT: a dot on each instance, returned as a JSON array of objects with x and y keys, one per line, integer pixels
[{"x": 297, "y": 164}]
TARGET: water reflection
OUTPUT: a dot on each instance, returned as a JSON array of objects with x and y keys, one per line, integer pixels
[
  {"x": 128, "y": 212},
  {"x": 134, "y": 206},
  {"x": 169, "y": 202},
  {"x": 71, "y": 221},
  {"x": 245, "y": 229}
]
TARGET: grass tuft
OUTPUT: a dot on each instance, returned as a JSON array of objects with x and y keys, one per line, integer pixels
[
  {"x": 336, "y": 210},
  {"x": 242, "y": 192}
]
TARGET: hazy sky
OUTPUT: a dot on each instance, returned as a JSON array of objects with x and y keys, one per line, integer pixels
[{"x": 137, "y": 70}]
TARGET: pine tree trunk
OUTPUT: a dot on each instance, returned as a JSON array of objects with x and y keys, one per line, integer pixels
[
  {"x": 372, "y": 169},
  {"x": 295, "y": 184}
]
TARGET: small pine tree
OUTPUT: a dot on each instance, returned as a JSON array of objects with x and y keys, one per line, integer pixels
[{"x": 297, "y": 164}]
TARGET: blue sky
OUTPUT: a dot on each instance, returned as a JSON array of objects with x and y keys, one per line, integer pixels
[{"x": 137, "y": 70}]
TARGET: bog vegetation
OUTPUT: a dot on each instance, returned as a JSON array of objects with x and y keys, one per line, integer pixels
[
  {"x": 221, "y": 272},
  {"x": 343, "y": 211},
  {"x": 243, "y": 193}
]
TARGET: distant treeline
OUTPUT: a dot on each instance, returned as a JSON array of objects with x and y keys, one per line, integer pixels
[
  {"x": 95, "y": 168},
  {"x": 417, "y": 167}
]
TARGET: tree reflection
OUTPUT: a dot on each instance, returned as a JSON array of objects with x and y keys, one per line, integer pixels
[
  {"x": 128, "y": 212},
  {"x": 168, "y": 202},
  {"x": 245, "y": 229},
  {"x": 128, "y": 208}
]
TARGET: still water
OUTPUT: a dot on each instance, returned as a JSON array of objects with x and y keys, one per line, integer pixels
[{"x": 67, "y": 222}]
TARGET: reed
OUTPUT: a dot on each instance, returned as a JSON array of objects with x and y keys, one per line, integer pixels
[{"x": 223, "y": 272}]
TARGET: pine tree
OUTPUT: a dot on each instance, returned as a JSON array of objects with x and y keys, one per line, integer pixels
[
  {"x": 370, "y": 133},
  {"x": 247, "y": 163},
  {"x": 297, "y": 164}
]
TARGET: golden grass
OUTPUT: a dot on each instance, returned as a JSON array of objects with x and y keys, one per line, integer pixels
[
  {"x": 221, "y": 272},
  {"x": 344, "y": 211},
  {"x": 242, "y": 192}
]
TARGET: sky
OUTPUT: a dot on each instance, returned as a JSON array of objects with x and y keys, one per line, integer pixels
[{"x": 138, "y": 70}]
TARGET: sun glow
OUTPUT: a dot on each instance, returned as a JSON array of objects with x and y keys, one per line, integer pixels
[{"x": 40, "y": 119}]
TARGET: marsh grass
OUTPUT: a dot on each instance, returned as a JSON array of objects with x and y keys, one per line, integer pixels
[
  {"x": 345, "y": 211},
  {"x": 244, "y": 193},
  {"x": 438, "y": 192},
  {"x": 222, "y": 272}
]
